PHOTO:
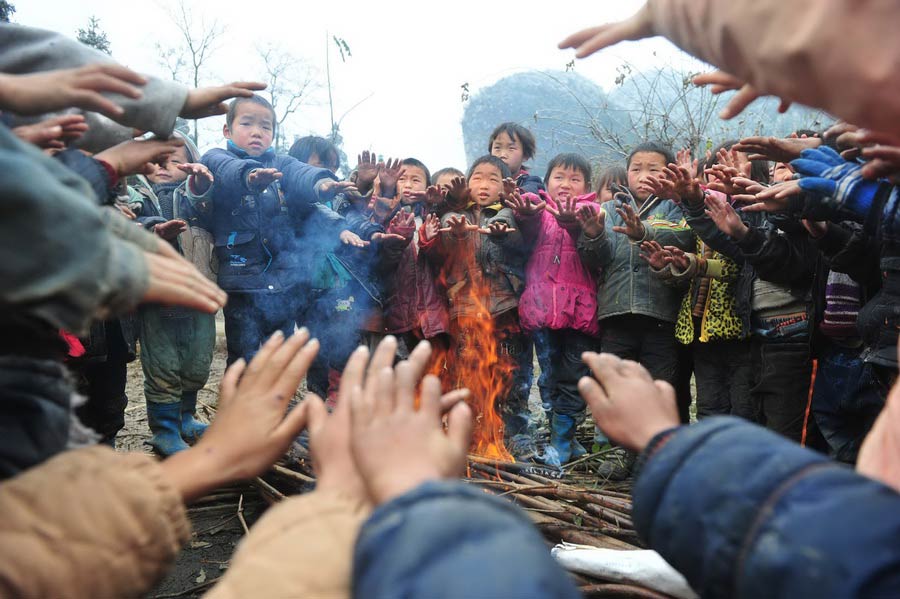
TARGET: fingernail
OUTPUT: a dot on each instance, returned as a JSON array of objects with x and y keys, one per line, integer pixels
[{"x": 303, "y": 331}]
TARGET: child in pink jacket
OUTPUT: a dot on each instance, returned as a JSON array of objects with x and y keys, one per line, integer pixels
[{"x": 559, "y": 305}]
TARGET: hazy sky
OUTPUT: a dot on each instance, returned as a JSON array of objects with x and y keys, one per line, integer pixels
[{"x": 408, "y": 61}]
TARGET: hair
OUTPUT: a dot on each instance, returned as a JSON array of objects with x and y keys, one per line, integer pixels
[
  {"x": 573, "y": 161},
  {"x": 255, "y": 99},
  {"x": 446, "y": 171},
  {"x": 305, "y": 147},
  {"x": 759, "y": 169},
  {"x": 515, "y": 132},
  {"x": 611, "y": 174},
  {"x": 419, "y": 164},
  {"x": 488, "y": 159},
  {"x": 655, "y": 147}
]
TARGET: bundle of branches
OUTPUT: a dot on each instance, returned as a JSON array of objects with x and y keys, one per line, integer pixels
[{"x": 565, "y": 506}]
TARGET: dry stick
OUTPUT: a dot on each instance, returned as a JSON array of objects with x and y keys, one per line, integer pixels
[
  {"x": 562, "y": 532},
  {"x": 240, "y": 515},
  {"x": 620, "y": 591},
  {"x": 268, "y": 489},
  {"x": 596, "y": 515},
  {"x": 292, "y": 474},
  {"x": 588, "y": 457}
]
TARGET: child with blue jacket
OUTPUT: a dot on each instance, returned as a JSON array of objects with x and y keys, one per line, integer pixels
[{"x": 267, "y": 220}]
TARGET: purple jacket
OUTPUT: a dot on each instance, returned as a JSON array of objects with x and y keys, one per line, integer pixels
[{"x": 560, "y": 291}]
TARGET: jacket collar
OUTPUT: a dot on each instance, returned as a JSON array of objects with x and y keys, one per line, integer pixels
[{"x": 266, "y": 156}]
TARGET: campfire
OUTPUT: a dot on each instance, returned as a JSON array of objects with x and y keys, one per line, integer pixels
[{"x": 476, "y": 363}]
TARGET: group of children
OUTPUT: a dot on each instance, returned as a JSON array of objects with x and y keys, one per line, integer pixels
[
  {"x": 758, "y": 280},
  {"x": 641, "y": 264}
]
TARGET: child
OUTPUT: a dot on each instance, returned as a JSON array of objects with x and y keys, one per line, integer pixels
[
  {"x": 638, "y": 311},
  {"x": 559, "y": 305},
  {"x": 316, "y": 151},
  {"x": 414, "y": 308},
  {"x": 514, "y": 145},
  {"x": 482, "y": 268},
  {"x": 267, "y": 221},
  {"x": 611, "y": 175},
  {"x": 176, "y": 343},
  {"x": 443, "y": 177}
]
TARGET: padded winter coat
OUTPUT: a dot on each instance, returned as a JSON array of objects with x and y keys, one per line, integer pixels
[
  {"x": 743, "y": 512},
  {"x": 560, "y": 290}
]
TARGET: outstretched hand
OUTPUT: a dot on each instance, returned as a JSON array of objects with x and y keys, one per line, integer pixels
[
  {"x": 655, "y": 255},
  {"x": 720, "y": 82},
  {"x": 528, "y": 204},
  {"x": 82, "y": 87},
  {"x": 395, "y": 446},
  {"x": 496, "y": 229},
  {"x": 632, "y": 225},
  {"x": 250, "y": 431},
  {"x": 138, "y": 156},
  {"x": 204, "y": 102},
  {"x": 458, "y": 226},
  {"x": 592, "y": 220},
  {"x": 594, "y": 39},
  {"x": 260, "y": 178},
  {"x": 53, "y": 133},
  {"x": 566, "y": 215},
  {"x": 173, "y": 281},
  {"x": 367, "y": 168},
  {"x": 625, "y": 401},
  {"x": 458, "y": 193},
  {"x": 725, "y": 217}
]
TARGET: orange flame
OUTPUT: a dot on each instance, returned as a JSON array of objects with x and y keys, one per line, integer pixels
[{"x": 475, "y": 361}]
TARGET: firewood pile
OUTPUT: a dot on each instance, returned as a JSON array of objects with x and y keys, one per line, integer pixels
[{"x": 571, "y": 506}]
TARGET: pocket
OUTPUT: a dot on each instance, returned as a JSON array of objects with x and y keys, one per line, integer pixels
[{"x": 241, "y": 252}]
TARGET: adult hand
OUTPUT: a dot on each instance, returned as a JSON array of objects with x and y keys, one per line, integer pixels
[
  {"x": 204, "y": 102},
  {"x": 173, "y": 281},
  {"x": 626, "y": 402},
  {"x": 138, "y": 156},
  {"x": 396, "y": 447},
  {"x": 250, "y": 431},
  {"x": 53, "y": 133},
  {"x": 720, "y": 82},
  {"x": 594, "y": 39},
  {"x": 82, "y": 87}
]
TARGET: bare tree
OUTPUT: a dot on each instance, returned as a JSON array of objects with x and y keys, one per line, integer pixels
[
  {"x": 291, "y": 84},
  {"x": 188, "y": 62}
]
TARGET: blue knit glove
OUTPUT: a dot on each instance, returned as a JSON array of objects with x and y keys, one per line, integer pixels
[{"x": 833, "y": 183}]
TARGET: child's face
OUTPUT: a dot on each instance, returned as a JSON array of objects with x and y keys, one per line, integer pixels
[
  {"x": 565, "y": 182},
  {"x": 642, "y": 166},
  {"x": 782, "y": 173},
  {"x": 485, "y": 184},
  {"x": 509, "y": 151},
  {"x": 252, "y": 129},
  {"x": 413, "y": 179},
  {"x": 169, "y": 171}
]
